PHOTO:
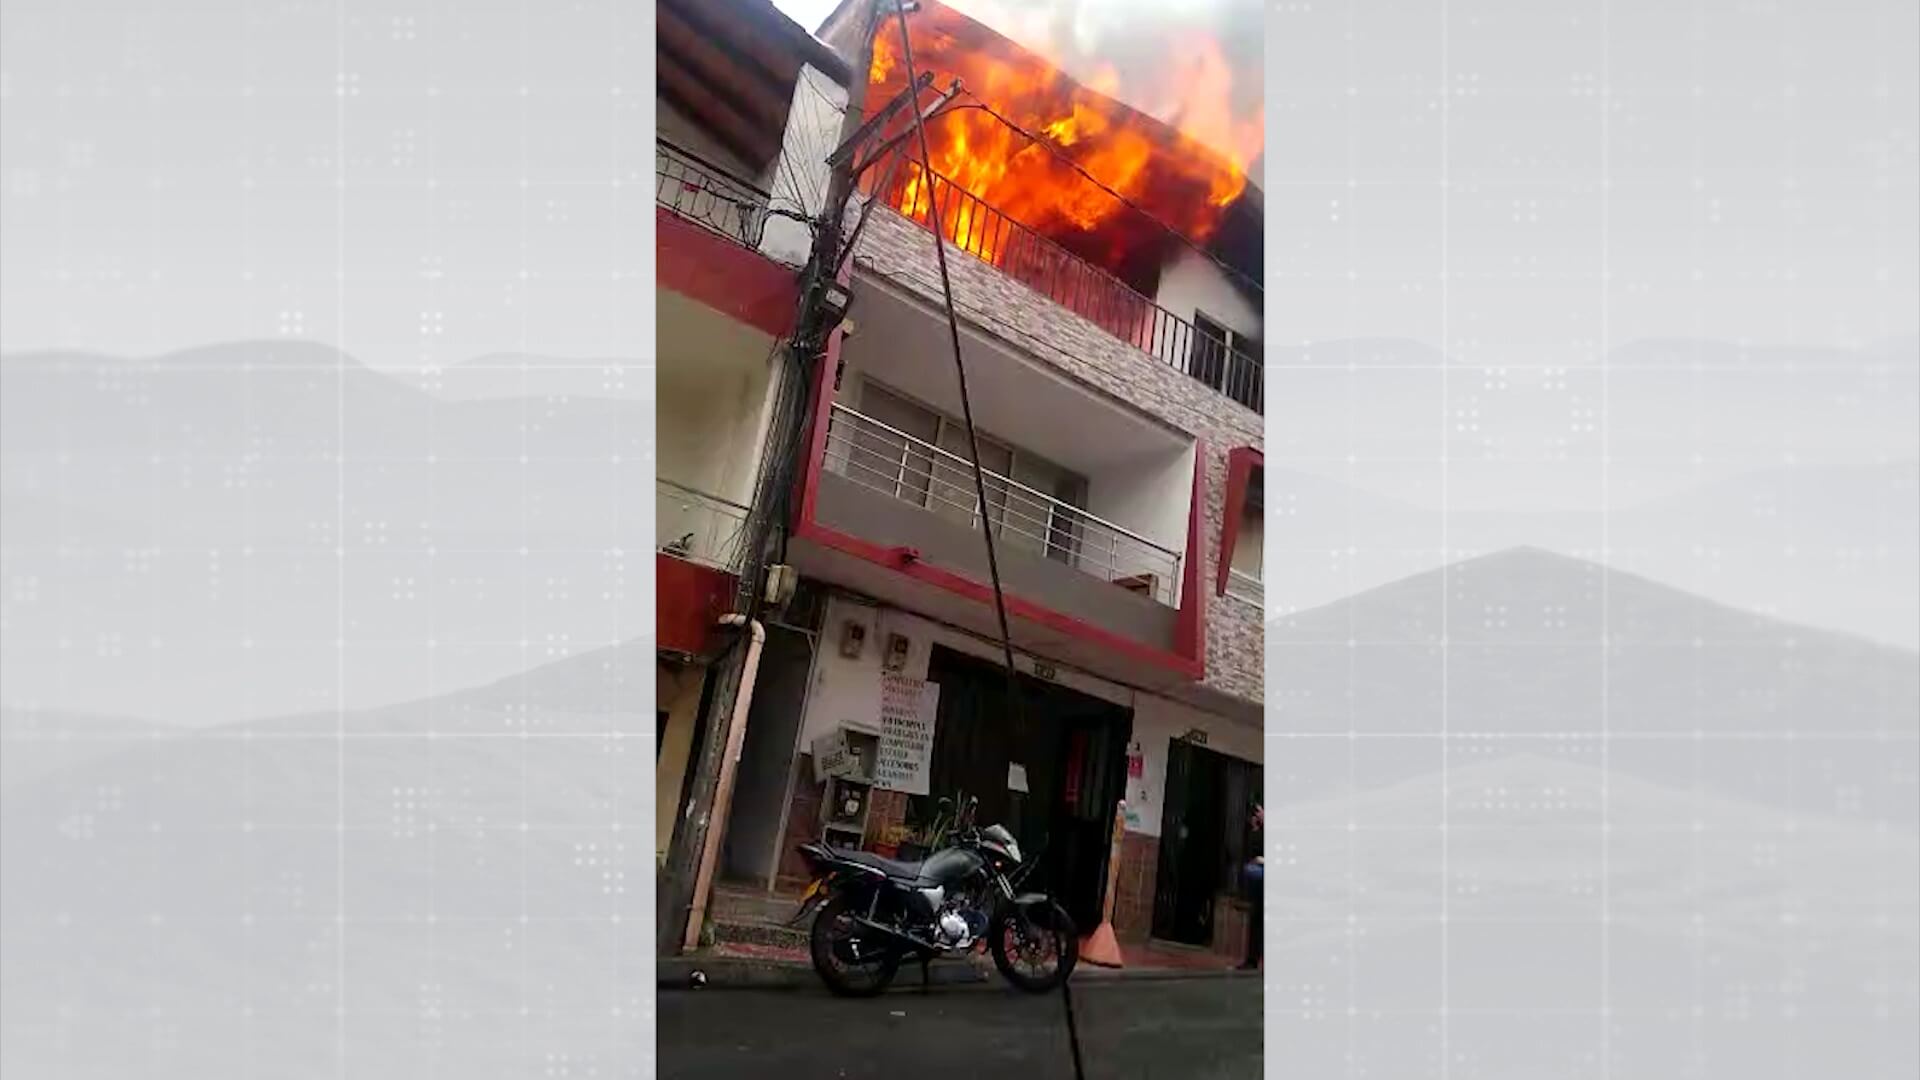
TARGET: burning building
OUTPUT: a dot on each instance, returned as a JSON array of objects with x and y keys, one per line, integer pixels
[
  {"x": 1102, "y": 180},
  {"x": 1106, "y": 279}
]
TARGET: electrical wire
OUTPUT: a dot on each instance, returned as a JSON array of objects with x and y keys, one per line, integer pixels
[
  {"x": 979, "y": 478},
  {"x": 1049, "y": 147},
  {"x": 960, "y": 370},
  {"x": 1197, "y": 247}
]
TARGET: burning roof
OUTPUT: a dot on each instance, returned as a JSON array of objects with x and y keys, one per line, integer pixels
[{"x": 1185, "y": 174}]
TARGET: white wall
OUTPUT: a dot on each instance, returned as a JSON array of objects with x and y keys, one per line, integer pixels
[
  {"x": 1157, "y": 722},
  {"x": 712, "y": 405},
  {"x": 798, "y": 180},
  {"x": 848, "y": 692},
  {"x": 709, "y": 440},
  {"x": 1191, "y": 281},
  {"x": 1150, "y": 496}
]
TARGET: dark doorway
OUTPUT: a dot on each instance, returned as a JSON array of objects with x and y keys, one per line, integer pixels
[
  {"x": 1205, "y": 839},
  {"x": 767, "y": 757},
  {"x": 1072, "y": 747}
]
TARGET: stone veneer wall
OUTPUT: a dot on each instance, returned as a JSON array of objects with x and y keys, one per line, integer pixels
[{"x": 902, "y": 253}]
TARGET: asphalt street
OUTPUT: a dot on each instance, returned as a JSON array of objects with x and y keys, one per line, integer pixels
[{"x": 1198, "y": 1028}]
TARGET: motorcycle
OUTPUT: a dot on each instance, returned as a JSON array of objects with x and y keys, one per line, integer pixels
[{"x": 875, "y": 912}]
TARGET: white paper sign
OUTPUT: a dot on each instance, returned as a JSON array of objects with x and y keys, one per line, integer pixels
[
  {"x": 1016, "y": 777},
  {"x": 908, "y": 712}
]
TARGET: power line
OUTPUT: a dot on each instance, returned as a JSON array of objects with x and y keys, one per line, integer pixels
[
  {"x": 1058, "y": 155},
  {"x": 1050, "y": 148},
  {"x": 979, "y": 478},
  {"x": 960, "y": 370}
]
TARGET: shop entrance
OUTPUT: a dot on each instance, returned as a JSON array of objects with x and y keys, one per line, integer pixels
[
  {"x": 1205, "y": 839},
  {"x": 1070, "y": 746}
]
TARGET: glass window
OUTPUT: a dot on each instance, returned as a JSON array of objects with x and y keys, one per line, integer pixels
[{"x": 895, "y": 461}]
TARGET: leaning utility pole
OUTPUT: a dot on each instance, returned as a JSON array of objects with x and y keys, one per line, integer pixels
[{"x": 814, "y": 319}]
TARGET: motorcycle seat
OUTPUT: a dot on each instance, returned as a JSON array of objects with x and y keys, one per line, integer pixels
[{"x": 893, "y": 868}]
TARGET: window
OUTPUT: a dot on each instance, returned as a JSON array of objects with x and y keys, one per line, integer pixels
[
  {"x": 1243, "y": 533},
  {"x": 1228, "y": 361},
  {"x": 1245, "y": 570},
  {"x": 1210, "y": 350},
  {"x": 1035, "y": 512},
  {"x": 897, "y": 461}
]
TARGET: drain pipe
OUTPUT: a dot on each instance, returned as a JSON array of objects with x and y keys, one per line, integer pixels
[{"x": 723, "y": 786}]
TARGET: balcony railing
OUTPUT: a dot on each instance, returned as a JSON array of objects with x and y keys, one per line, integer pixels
[
  {"x": 1077, "y": 285},
  {"x": 698, "y": 527},
  {"x": 707, "y": 194},
  {"x": 893, "y": 463}
]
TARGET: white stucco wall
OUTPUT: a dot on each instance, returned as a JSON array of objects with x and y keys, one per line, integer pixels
[
  {"x": 1190, "y": 282},
  {"x": 1150, "y": 496},
  {"x": 1157, "y": 722},
  {"x": 798, "y": 178},
  {"x": 848, "y": 692},
  {"x": 710, "y": 440}
]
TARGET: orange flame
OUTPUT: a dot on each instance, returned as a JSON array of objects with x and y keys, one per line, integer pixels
[{"x": 1183, "y": 172}]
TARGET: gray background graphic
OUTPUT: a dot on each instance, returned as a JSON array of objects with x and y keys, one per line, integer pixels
[
  {"x": 327, "y": 539},
  {"x": 1591, "y": 481}
]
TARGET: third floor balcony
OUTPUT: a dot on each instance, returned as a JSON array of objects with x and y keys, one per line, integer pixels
[{"x": 1202, "y": 348}]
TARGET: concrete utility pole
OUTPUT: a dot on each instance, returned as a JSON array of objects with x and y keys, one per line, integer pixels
[{"x": 769, "y": 513}]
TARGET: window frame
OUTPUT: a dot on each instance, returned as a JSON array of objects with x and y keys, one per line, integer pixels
[{"x": 1243, "y": 464}]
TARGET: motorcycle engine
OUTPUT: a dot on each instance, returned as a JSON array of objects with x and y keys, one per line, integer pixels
[{"x": 952, "y": 930}]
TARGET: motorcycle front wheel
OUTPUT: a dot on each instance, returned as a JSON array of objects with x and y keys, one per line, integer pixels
[
  {"x": 844, "y": 956},
  {"x": 1035, "y": 949}
]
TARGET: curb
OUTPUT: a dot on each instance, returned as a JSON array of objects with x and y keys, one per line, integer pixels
[
  {"x": 753, "y": 973},
  {"x": 1088, "y": 973}
]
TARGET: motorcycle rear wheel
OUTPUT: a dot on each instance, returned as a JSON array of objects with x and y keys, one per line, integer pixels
[
  {"x": 1047, "y": 928},
  {"x": 833, "y": 930}
]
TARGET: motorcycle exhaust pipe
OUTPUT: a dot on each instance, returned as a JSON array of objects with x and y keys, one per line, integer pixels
[{"x": 906, "y": 940}]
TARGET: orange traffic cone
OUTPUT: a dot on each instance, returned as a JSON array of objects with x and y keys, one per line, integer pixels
[{"x": 1101, "y": 947}]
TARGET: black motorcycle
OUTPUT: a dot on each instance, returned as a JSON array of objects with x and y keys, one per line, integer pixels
[{"x": 875, "y": 912}]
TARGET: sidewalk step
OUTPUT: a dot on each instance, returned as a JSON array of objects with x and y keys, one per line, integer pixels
[{"x": 730, "y": 931}]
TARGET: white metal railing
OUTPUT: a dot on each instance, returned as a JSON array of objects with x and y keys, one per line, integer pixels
[
  {"x": 698, "y": 527},
  {"x": 1244, "y": 586},
  {"x": 894, "y": 463}
]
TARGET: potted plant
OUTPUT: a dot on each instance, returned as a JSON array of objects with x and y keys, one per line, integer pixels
[
  {"x": 887, "y": 845},
  {"x": 926, "y": 838}
]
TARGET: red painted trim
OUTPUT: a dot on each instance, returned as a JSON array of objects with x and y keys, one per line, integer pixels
[
  {"x": 738, "y": 282},
  {"x": 903, "y": 561},
  {"x": 689, "y": 600},
  {"x": 822, "y": 416},
  {"x": 1241, "y": 461},
  {"x": 1190, "y": 632}
]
